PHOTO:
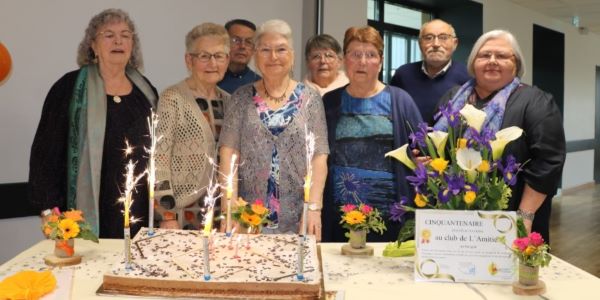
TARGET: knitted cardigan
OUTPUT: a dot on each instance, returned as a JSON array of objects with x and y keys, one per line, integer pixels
[
  {"x": 186, "y": 144},
  {"x": 245, "y": 132}
]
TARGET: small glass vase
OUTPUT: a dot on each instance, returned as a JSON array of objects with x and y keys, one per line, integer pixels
[
  {"x": 358, "y": 239},
  {"x": 528, "y": 275},
  {"x": 64, "y": 248}
]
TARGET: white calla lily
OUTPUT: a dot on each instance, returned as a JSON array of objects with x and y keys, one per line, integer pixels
[
  {"x": 469, "y": 160},
  {"x": 473, "y": 116},
  {"x": 401, "y": 155},
  {"x": 439, "y": 139},
  {"x": 504, "y": 137}
]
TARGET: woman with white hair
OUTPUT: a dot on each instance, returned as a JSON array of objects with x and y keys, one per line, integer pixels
[
  {"x": 496, "y": 63},
  {"x": 190, "y": 119},
  {"x": 265, "y": 128}
]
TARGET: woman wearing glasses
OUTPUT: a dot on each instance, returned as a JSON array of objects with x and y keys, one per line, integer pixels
[
  {"x": 324, "y": 58},
  {"x": 266, "y": 128},
  {"x": 496, "y": 63},
  {"x": 190, "y": 118},
  {"x": 365, "y": 119},
  {"x": 77, "y": 159}
]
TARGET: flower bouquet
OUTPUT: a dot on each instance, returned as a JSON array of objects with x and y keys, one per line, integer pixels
[
  {"x": 252, "y": 216},
  {"x": 532, "y": 253},
  {"x": 462, "y": 169},
  {"x": 65, "y": 226},
  {"x": 359, "y": 220}
]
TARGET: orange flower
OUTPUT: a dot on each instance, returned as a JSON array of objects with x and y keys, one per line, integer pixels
[
  {"x": 52, "y": 218},
  {"x": 354, "y": 217},
  {"x": 259, "y": 209},
  {"x": 75, "y": 215},
  {"x": 252, "y": 220},
  {"x": 47, "y": 230}
]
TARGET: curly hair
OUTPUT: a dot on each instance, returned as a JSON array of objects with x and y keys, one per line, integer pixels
[{"x": 85, "y": 54}]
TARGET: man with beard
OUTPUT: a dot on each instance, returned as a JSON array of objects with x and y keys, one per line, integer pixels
[
  {"x": 241, "y": 34},
  {"x": 427, "y": 80}
]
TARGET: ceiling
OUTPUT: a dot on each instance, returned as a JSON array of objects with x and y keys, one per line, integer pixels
[{"x": 588, "y": 11}]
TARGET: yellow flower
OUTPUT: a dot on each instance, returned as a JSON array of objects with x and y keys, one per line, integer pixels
[
  {"x": 75, "y": 215},
  {"x": 439, "y": 164},
  {"x": 47, "y": 230},
  {"x": 484, "y": 167},
  {"x": 461, "y": 143},
  {"x": 469, "y": 197},
  {"x": 420, "y": 200},
  {"x": 530, "y": 250},
  {"x": 354, "y": 217},
  {"x": 240, "y": 202},
  {"x": 69, "y": 229},
  {"x": 27, "y": 285}
]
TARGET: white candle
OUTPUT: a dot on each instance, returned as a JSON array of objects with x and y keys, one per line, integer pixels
[
  {"x": 237, "y": 246},
  {"x": 206, "y": 255},
  {"x": 229, "y": 192}
]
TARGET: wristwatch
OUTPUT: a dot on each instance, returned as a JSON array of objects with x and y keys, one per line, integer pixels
[
  {"x": 314, "y": 206},
  {"x": 526, "y": 215}
]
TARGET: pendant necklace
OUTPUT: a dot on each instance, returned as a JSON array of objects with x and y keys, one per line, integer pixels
[{"x": 276, "y": 99}]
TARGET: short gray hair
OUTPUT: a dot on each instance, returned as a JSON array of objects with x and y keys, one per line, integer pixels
[
  {"x": 452, "y": 31},
  {"x": 85, "y": 54},
  {"x": 497, "y": 34},
  {"x": 206, "y": 29},
  {"x": 322, "y": 41},
  {"x": 275, "y": 26}
]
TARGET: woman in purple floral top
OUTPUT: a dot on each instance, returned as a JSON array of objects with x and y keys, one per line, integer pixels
[{"x": 265, "y": 127}]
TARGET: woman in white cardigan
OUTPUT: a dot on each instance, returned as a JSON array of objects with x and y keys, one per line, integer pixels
[{"x": 190, "y": 118}]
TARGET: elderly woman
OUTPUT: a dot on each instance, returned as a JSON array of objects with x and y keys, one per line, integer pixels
[
  {"x": 496, "y": 63},
  {"x": 190, "y": 119},
  {"x": 266, "y": 127},
  {"x": 365, "y": 120},
  {"x": 324, "y": 58},
  {"x": 77, "y": 157}
]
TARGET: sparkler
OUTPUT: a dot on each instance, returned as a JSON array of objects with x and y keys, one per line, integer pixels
[
  {"x": 209, "y": 204},
  {"x": 152, "y": 124},
  {"x": 229, "y": 193},
  {"x": 310, "y": 151}
]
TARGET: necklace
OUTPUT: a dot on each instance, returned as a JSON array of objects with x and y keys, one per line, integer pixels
[
  {"x": 117, "y": 99},
  {"x": 276, "y": 99}
]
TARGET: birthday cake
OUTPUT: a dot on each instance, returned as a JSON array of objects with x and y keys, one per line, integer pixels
[{"x": 171, "y": 263}]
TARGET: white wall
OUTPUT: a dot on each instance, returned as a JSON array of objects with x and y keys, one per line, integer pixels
[
  {"x": 580, "y": 72},
  {"x": 42, "y": 37}
]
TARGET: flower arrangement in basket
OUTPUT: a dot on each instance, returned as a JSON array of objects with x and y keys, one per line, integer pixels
[
  {"x": 250, "y": 215},
  {"x": 360, "y": 220},
  {"x": 463, "y": 170}
]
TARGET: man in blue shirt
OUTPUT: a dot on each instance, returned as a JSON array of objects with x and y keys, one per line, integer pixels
[
  {"x": 241, "y": 34},
  {"x": 427, "y": 80}
]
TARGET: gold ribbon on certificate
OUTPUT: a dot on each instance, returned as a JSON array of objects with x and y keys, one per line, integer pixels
[{"x": 435, "y": 274}]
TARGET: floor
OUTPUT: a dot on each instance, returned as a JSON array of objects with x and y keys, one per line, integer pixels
[{"x": 575, "y": 228}]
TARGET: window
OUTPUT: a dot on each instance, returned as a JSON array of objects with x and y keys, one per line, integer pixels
[{"x": 399, "y": 26}]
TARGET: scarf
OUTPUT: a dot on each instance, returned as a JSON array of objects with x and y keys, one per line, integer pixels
[
  {"x": 494, "y": 110},
  {"x": 85, "y": 143}
]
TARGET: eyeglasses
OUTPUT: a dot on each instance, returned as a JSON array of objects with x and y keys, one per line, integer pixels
[
  {"x": 110, "y": 35},
  {"x": 327, "y": 56},
  {"x": 280, "y": 51},
  {"x": 442, "y": 37},
  {"x": 499, "y": 56},
  {"x": 205, "y": 57},
  {"x": 236, "y": 40},
  {"x": 355, "y": 56}
]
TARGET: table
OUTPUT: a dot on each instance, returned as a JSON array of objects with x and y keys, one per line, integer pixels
[{"x": 353, "y": 277}]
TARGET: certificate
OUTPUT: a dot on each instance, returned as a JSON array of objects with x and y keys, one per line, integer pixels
[{"x": 465, "y": 246}]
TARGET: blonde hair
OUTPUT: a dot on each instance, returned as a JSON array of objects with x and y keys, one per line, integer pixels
[{"x": 206, "y": 29}]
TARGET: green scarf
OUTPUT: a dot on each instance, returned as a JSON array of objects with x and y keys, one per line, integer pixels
[{"x": 85, "y": 148}]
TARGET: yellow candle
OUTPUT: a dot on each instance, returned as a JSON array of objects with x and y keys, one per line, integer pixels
[
  {"x": 208, "y": 222},
  {"x": 307, "y": 188}
]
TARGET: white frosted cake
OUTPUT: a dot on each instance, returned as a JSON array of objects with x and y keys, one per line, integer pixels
[{"x": 171, "y": 263}]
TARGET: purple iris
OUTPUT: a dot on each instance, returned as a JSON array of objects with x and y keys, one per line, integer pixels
[
  {"x": 397, "y": 209},
  {"x": 444, "y": 195},
  {"x": 420, "y": 179},
  {"x": 455, "y": 183},
  {"x": 453, "y": 116},
  {"x": 481, "y": 138},
  {"x": 418, "y": 137},
  {"x": 471, "y": 187},
  {"x": 509, "y": 170}
]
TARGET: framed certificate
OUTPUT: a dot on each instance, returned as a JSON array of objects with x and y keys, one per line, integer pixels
[{"x": 465, "y": 246}]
